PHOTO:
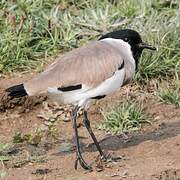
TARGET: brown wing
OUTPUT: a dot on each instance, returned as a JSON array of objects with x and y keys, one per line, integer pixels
[{"x": 89, "y": 65}]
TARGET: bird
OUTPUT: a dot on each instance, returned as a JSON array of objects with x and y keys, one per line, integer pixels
[{"x": 92, "y": 71}]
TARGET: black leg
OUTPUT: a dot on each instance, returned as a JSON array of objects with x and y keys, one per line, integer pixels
[
  {"x": 88, "y": 126},
  {"x": 78, "y": 151}
]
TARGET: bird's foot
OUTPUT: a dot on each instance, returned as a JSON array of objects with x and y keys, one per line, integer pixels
[{"x": 83, "y": 164}]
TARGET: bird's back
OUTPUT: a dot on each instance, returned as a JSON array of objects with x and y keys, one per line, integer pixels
[{"x": 90, "y": 65}]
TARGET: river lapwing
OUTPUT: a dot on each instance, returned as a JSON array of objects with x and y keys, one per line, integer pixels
[{"x": 92, "y": 71}]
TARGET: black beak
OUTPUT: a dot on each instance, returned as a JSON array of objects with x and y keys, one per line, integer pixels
[{"x": 146, "y": 46}]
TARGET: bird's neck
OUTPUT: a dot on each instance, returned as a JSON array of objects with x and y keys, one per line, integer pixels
[{"x": 136, "y": 55}]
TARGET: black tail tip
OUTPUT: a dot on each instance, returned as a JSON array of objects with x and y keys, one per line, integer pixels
[{"x": 16, "y": 91}]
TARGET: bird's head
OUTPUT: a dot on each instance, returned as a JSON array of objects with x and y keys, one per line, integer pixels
[{"x": 133, "y": 38}]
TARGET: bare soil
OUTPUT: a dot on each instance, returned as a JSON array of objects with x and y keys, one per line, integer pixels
[{"x": 152, "y": 153}]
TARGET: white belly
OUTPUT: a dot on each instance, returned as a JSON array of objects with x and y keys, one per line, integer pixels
[{"x": 82, "y": 96}]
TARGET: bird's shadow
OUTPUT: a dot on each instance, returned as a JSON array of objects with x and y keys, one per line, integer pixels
[{"x": 116, "y": 142}]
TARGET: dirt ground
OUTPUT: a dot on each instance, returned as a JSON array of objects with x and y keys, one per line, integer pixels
[{"x": 153, "y": 153}]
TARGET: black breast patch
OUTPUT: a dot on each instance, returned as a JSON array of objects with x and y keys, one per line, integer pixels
[
  {"x": 122, "y": 66},
  {"x": 70, "y": 88}
]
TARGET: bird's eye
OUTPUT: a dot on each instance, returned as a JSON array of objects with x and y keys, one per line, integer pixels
[{"x": 126, "y": 39}]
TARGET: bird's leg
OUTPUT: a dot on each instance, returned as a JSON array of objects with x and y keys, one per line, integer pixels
[
  {"x": 88, "y": 126},
  {"x": 78, "y": 151}
]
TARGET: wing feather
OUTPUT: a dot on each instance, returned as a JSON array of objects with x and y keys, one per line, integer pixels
[{"x": 88, "y": 65}]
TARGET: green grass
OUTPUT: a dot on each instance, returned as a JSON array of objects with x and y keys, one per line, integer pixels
[
  {"x": 3, "y": 174},
  {"x": 32, "y": 31},
  {"x": 16, "y": 156},
  {"x": 124, "y": 117},
  {"x": 3, "y": 157},
  {"x": 3, "y": 146},
  {"x": 170, "y": 94},
  {"x": 176, "y": 178}
]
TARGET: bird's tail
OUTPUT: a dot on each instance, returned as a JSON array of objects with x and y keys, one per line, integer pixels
[{"x": 16, "y": 91}]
